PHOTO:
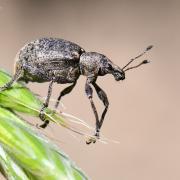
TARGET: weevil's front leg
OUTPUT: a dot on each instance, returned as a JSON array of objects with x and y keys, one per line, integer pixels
[
  {"x": 103, "y": 97},
  {"x": 89, "y": 93},
  {"x": 65, "y": 91},
  {"x": 45, "y": 105},
  {"x": 14, "y": 79}
]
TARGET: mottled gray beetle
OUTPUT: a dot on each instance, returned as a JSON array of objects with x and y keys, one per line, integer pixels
[{"x": 57, "y": 60}]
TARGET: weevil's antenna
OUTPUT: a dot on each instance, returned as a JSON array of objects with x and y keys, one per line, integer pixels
[
  {"x": 143, "y": 62},
  {"x": 147, "y": 49}
]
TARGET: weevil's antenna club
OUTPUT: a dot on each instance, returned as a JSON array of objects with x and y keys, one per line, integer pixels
[{"x": 147, "y": 49}]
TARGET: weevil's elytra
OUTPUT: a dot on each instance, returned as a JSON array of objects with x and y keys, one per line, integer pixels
[
  {"x": 61, "y": 61},
  {"x": 47, "y": 57}
]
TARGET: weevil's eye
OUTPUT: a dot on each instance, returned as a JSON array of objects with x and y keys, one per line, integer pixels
[
  {"x": 110, "y": 68},
  {"x": 82, "y": 50}
]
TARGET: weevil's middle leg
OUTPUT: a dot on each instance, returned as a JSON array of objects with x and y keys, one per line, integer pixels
[
  {"x": 45, "y": 105},
  {"x": 103, "y": 97},
  {"x": 65, "y": 91},
  {"x": 89, "y": 93}
]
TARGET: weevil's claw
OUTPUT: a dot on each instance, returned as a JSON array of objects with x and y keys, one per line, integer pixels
[
  {"x": 90, "y": 140},
  {"x": 42, "y": 117},
  {"x": 94, "y": 138},
  {"x": 44, "y": 125}
]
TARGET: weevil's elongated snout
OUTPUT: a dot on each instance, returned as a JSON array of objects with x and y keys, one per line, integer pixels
[{"x": 118, "y": 73}]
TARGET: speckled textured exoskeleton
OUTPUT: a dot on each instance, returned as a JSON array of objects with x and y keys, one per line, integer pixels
[{"x": 57, "y": 60}]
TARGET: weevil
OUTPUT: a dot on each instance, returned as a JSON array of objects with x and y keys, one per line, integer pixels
[{"x": 60, "y": 61}]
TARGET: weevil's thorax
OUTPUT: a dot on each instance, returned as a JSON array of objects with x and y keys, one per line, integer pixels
[{"x": 94, "y": 64}]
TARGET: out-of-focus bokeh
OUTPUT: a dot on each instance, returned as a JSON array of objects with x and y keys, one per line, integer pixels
[{"x": 144, "y": 111}]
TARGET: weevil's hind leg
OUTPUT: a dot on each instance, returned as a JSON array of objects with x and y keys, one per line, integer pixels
[
  {"x": 89, "y": 93},
  {"x": 45, "y": 105},
  {"x": 103, "y": 97},
  {"x": 65, "y": 91},
  {"x": 16, "y": 76}
]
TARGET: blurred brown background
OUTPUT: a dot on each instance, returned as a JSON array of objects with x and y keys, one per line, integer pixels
[{"x": 144, "y": 109}]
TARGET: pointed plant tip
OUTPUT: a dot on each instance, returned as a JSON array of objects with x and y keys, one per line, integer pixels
[{"x": 149, "y": 47}]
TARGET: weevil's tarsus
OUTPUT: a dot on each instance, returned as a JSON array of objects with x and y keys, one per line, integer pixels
[
  {"x": 45, "y": 105},
  {"x": 90, "y": 140},
  {"x": 102, "y": 139},
  {"x": 45, "y": 124}
]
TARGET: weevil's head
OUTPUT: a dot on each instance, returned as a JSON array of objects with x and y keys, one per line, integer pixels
[
  {"x": 96, "y": 64},
  {"x": 118, "y": 73}
]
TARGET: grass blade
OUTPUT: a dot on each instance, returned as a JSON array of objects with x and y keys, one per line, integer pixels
[{"x": 35, "y": 155}]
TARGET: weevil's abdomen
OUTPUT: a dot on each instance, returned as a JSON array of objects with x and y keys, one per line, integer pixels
[{"x": 47, "y": 57}]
